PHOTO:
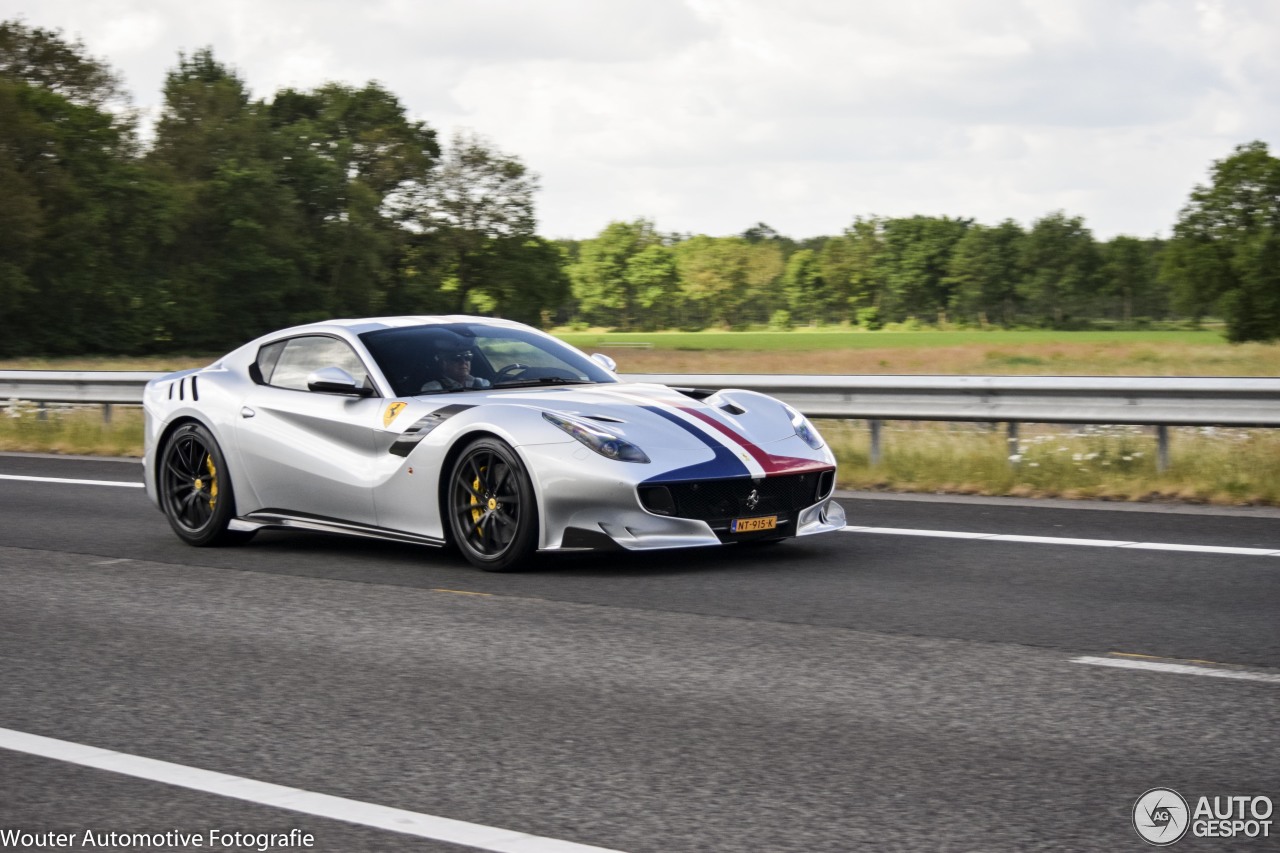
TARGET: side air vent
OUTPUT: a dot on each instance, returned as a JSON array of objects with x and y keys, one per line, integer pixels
[
  {"x": 732, "y": 409},
  {"x": 826, "y": 483},
  {"x": 195, "y": 394}
]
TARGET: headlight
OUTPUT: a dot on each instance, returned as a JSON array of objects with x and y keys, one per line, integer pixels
[
  {"x": 605, "y": 443},
  {"x": 804, "y": 429}
]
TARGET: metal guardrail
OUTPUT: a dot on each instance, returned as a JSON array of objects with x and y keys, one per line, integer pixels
[
  {"x": 74, "y": 386},
  {"x": 1151, "y": 400},
  {"x": 1158, "y": 401}
]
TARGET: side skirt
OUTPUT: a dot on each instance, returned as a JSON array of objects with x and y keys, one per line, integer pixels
[{"x": 276, "y": 518}]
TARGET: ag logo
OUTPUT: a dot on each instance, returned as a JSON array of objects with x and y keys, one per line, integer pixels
[
  {"x": 390, "y": 414},
  {"x": 1161, "y": 817}
]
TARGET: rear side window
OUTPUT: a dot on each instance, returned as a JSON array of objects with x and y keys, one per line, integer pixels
[
  {"x": 298, "y": 358},
  {"x": 266, "y": 363}
]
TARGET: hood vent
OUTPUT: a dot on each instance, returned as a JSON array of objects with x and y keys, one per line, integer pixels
[
  {"x": 732, "y": 409},
  {"x": 607, "y": 419}
]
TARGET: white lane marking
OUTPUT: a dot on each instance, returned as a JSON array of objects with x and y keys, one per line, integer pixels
[
  {"x": 1180, "y": 669},
  {"x": 72, "y": 482},
  {"x": 292, "y": 799},
  {"x": 1058, "y": 540}
]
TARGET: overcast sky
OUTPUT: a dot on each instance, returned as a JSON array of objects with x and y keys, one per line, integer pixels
[{"x": 708, "y": 116}]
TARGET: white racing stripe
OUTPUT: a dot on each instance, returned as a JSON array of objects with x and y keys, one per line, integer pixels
[
  {"x": 72, "y": 482},
  {"x": 1058, "y": 540},
  {"x": 1180, "y": 669},
  {"x": 405, "y": 822}
]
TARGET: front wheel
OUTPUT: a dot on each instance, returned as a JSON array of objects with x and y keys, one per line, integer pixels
[
  {"x": 493, "y": 515},
  {"x": 195, "y": 488}
]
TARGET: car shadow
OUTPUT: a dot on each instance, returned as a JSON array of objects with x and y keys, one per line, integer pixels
[{"x": 375, "y": 553}]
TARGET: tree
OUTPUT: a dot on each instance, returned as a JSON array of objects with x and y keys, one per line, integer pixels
[
  {"x": 984, "y": 272},
  {"x": 1223, "y": 256},
  {"x": 236, "y": 258},
  {"x": 852, "y": 270},
  {"x": 1129, "y": 267},
  {"x": 604, "y": 279},
  {"x": 74, "y": 204},
  {"x": 714, "y": 278},
  {"x": 45, "y": 59},
  {"x": 346, "y": 154},
  {"x": 807, "y": 297},
  {"x": 477, "y": 202},
  {"x": 917, "y": 251},
  {"x": 1061, "y": 262},
  {"x": 654, "y": 282}
]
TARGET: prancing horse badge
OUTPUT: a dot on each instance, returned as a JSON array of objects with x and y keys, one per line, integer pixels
[{"x": 390, "y": 414}]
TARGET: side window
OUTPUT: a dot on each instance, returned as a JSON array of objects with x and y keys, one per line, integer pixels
[
  {"x": 301, "y": 356},
  {"x": 266, "y": 363}
]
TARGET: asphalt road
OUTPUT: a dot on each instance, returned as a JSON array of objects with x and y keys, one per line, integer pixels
[{"x": 847, "y": 691}]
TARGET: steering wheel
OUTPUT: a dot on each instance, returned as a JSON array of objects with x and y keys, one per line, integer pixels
[{"x": 511, "y": 370}]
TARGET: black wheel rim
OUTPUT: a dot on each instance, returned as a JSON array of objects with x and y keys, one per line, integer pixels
[
  {"x": 190, "y": 482},
  {"x": 486, "y": 503}
]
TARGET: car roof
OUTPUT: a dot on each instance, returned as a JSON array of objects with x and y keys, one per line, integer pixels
[{"x": 359, "y": 326}]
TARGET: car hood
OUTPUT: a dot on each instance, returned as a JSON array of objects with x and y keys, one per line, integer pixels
[{"x": 646, "y": 412}]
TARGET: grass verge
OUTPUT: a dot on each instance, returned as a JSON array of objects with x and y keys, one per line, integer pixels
[
  {"x": 1207, "y": 465},
  {"x": 71, "y": 430}
]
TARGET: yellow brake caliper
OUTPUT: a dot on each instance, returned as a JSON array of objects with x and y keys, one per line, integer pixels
[
  {"x": 213, "y": 482},
  {"x": 476, "y": 507}
]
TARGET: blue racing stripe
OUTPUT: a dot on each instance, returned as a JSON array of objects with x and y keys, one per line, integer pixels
[{"x": 724, "y": 465}]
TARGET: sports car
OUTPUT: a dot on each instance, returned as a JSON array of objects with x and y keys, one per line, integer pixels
[{"x": 479, "y": 433}]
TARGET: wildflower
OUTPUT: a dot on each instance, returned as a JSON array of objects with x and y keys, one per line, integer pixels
[{"x": 1015, "y": 458}]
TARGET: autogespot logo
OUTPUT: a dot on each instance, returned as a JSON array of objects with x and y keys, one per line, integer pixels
[{"x": 1160, "y": 816}]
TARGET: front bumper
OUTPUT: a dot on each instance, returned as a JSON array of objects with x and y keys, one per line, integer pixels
[{"x": 590, "y": 507}]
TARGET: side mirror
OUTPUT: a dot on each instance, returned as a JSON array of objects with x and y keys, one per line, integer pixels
[
  {"x": 605, "y": 362},
  {"x": 335, "y": 380}
]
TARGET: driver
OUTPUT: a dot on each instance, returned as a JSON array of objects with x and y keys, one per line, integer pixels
[{"x": 453, "y": 366}]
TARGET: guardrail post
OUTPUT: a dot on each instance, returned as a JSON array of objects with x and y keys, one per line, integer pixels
[
  {"x": 874, "y": 424},
  {"x": 106, "y": 413},
  {"x": 42, "y": 411},
  {"x": 1162, "y": 448},
  {"x": 1015, "y": 447}
]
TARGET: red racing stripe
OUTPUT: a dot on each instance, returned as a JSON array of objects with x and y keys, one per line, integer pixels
[{"x": 770, "y": 463}]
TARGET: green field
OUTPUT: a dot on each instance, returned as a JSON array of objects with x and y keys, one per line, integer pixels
[{"x": 839, "y": 338}]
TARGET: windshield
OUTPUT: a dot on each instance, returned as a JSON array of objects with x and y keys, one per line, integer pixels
[{"x": 444, "y": 357}]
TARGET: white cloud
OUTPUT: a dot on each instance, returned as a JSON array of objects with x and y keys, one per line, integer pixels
[{"x": 709, "y": 115}]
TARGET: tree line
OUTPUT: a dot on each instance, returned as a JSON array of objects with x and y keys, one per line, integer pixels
[{"x": 242, "y": 215}]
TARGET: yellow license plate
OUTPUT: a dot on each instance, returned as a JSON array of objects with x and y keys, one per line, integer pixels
[{"x": 751, "y": 525}]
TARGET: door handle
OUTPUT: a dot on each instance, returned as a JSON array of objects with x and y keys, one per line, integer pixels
[{"x": 246, "y": 412}]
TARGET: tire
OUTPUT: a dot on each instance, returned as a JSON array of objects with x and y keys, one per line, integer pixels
[
  {"x": 195, "y": 488},
  {"x": 493, "y": 515}
]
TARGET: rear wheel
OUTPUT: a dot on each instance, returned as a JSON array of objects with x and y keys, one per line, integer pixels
[
  {"x": 493, "y": 515},
  {"x": 195, "y": 488}
]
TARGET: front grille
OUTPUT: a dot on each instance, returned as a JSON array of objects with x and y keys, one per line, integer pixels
[{"x": 718, "y": 501}]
